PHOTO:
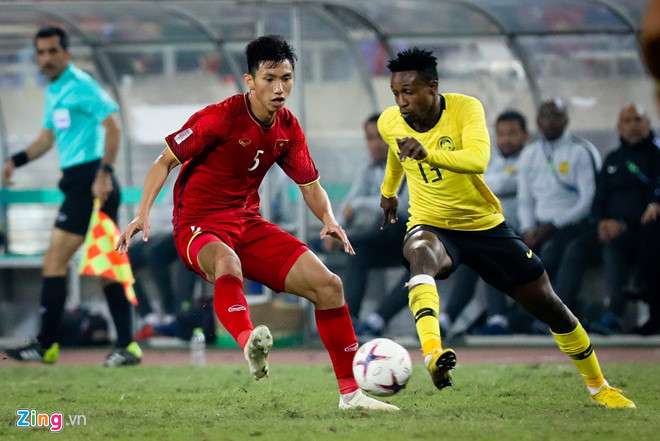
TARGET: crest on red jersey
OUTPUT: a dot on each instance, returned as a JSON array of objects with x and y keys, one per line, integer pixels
[
  {"x": 281, "y": 143},
  {"x": 244, "y": 142}
]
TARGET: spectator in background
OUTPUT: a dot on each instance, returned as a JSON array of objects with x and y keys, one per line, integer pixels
[
  {"x": 80, "y": 118},
  {"x": 556, "y": 187},
  {"x": 627, "y": 197},
  {"x": 501, "y": 177},
  {"x": 361, "y": 216}
]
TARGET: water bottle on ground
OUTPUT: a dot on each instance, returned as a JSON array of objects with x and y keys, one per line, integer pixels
[{"x": 198, "y": 347}]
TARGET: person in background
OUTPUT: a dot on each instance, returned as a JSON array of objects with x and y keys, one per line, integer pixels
[
  {"x": 80, "y": 118},
  {"x": 556, "y": 187},
  {"x": 626, "y": 209},
  {"x": 501, "y": 177}
]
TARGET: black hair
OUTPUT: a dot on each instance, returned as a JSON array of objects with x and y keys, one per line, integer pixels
[
  {"x": 415, "y": 59},
  {"x": 513, "y": 115},
  {"x": 272, "y": 49},
  {"x": 52, "y": 31},
  {"x": 372, "y": 119}
]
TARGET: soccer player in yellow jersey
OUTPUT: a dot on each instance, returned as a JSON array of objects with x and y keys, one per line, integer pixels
[{"x": 441, "y": 143}]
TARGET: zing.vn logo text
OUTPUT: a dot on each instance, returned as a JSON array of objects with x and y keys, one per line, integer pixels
[{"x": 53, "y": 422}]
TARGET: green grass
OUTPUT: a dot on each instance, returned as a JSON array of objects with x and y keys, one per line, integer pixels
[{"x": 490, "y": 402}]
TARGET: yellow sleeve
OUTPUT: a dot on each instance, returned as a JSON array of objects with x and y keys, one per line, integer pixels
[
  {"x": 475, "y": 154},
  {"x": 394, "y": 169},
  {"x": 393, "y": 175}
]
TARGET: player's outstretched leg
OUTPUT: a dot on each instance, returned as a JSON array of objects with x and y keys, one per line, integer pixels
[
  {"x": 310, "y": 279},
  {"x": 440, "y": 364},
  {"x": 256, "y": 351},
  {"x": 336, "y": 332},
  {"x": 577, "y": 346}
]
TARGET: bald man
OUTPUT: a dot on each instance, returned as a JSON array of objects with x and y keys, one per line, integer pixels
[{"x": 627, "y": 210}]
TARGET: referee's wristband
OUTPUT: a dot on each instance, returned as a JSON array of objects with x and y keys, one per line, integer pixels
[
  {"x": 20, "y": 158},
  {"x": 107, "y": 168}
]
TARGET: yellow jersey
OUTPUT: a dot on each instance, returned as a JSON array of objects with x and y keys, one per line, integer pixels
[{"x": 447, "y": 188}]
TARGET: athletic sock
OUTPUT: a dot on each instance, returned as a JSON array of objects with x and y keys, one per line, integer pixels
[
  {"x": 53, "y": 296},
  {"x": 232, "y": 309},
  {"x": 424, "y": 303},
  {"x": 576, "y": 345},
  {"x": 338, "y": 337},
  {"x": 120, "y": 310}
]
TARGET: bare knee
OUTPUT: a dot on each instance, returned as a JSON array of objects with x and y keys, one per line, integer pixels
[
  {"x": 53, "y": 264},
  {"x": 328, "y": 293},
  {"x": 426, "y": 255},
  {"x": 226, "y": 265}
]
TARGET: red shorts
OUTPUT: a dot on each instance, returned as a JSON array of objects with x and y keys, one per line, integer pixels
[{"x": 266, "y": 252}]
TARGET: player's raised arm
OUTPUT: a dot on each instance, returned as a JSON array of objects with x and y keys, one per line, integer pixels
[
  {"x": 153, "y": 183},
  {"x": 317, "y": 200},
  {"x": 475, "y": 154},
  {"x": 391, "y": 181}
]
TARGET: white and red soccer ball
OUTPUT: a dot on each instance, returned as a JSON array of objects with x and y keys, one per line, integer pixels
[{"x": 382, "y": 367}]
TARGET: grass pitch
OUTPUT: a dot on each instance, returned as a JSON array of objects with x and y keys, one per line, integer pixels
[{"x": 488, "y": 402}]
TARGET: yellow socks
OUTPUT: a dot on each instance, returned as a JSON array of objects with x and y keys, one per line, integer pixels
[
  {"x": 576, "y": 345},
  {"x": 424, "y": 302}
]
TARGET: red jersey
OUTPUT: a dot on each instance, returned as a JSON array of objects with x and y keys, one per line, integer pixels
[{"x": 225, "y": 153}]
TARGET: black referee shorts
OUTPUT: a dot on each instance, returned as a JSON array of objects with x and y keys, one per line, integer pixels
[
  {"x": 498, "y": 255},
  {"x": 76, "y": 210}
]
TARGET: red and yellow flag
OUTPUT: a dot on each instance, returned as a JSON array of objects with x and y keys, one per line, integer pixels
[{"x": 99, "y": 255}]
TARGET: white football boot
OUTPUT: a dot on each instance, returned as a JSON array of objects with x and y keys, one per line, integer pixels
[
  {"x": 358, "y": 400},
  {"x": 256, "y": 351}
]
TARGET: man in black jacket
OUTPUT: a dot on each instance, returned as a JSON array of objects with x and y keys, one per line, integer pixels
[{"x": 627, "y": 209}]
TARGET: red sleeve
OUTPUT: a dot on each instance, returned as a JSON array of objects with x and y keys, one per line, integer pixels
[
  {"x": 202, "y": 130},
  {"x": 297, "y": 162}
]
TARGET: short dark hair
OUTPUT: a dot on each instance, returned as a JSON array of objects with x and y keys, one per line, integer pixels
[
  {"x": 415, "y": 59},
  {"x": 270, "y": 49},
  {"x": 513, "y": 115},
  {"x": 372, "y": 119},
  {"x": 52, "y": 31}
]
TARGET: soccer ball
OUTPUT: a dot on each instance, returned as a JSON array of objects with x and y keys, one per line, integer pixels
[{"x": 382, "y": 367}]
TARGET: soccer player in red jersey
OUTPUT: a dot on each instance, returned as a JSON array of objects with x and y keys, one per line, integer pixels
[{"x": 225, "y": 150}]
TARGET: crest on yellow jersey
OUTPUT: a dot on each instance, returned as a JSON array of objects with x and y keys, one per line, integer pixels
[
  {"x": 446, "y": 143},
  {"x": 563, "y": 167}
]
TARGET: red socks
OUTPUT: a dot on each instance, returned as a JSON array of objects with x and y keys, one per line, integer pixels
[
  {"x": 336, "y": 332},
  {"x": 232, "y": 308},
  {"x": 334, "y": 325}
]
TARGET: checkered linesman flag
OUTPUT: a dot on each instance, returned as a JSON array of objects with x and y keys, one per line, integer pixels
[{"x": 99, "y": 255}]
